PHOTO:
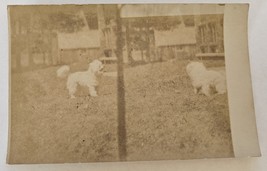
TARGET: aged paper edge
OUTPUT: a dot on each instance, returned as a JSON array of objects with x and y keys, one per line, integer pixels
[
  {"x": 240, "y": 97},
  {"x": 9, "y": 88}
]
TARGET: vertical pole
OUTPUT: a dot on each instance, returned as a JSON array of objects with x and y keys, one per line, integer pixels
[
  {"x": 198, "y": 34},
  {"x": 121, "y": 91},
  {"x": 128, "y": 45},
  {"x": 147, "y": 30},
  {"x": 101, "y": 27},
  {"x": 30, "y": 56}
]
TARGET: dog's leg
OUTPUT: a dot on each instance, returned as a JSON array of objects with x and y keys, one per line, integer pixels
[
  {"x": 92, "y": 91},
  {"x": 206, "y": 90},
  {"x": 72, "y": 90},
  {"x": 195, "y": 90}
]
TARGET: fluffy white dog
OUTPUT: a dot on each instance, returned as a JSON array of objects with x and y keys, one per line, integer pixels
[
  {"x": 203, "y": 80},
  {"x": 63, "y": 71},
  {"x": 87, "y": 78}
]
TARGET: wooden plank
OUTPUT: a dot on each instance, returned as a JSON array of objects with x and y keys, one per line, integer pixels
[{"x": 210, "y": 55}]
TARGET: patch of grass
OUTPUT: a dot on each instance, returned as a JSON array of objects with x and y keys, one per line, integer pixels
[{"x": 164, "y": 118}]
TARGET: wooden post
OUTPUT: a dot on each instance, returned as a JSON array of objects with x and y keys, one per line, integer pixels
[
  {"x": 101, "y": 27},
  {"x": 147, "y": 25},
  {"x": 29, "y": 48},
  {"x": 121, "y": 91},
  {"x": 128, "y": 45}
]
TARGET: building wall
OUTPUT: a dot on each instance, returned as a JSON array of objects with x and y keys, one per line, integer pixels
[
  {"x": 209, "y": 33},
  {"x": 68, "y": 56},
  {"x": 176, "y": 51}
]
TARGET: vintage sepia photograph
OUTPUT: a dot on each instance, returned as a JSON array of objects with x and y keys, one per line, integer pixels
[{"x": 109, "y": 82}]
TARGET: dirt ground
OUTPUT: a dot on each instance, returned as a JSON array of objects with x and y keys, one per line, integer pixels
[{"x": 164, "y": 118}]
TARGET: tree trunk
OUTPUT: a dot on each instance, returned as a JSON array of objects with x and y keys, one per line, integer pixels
[
  {"x": 128, "y": 44},
  {"x": 29, "y": 49},
  {"x": 121, "y": 92},
  {"x": 49, "y": 50},
  {"x": 147, "y": 41},
  {"x": 101, "y": 27}
]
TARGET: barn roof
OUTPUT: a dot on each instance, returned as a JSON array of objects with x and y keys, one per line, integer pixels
[
  {"x": 179, "y": 36},
  {"x": 78, "y": 40}
]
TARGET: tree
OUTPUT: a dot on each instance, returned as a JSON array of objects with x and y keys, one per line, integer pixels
[
  {"x": 128, "y": 44},
  {"x": 64, "y": 22},
  {"x": 142, "y": 31}
]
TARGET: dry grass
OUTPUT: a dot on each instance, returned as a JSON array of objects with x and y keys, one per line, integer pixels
[{"x": 164, "y": 119}]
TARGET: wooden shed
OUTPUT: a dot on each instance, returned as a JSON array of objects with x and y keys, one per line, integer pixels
[
  {"x": 177, "y": 43},
  {"x": 78, "y": 46}
]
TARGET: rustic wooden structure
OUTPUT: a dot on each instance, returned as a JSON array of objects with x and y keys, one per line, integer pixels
[{"x": 209, "y": 36}]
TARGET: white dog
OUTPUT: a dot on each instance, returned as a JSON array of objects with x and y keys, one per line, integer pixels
[
  {"x": 87, "y": 78},
  {"x": 203, "y": 80},
  {"x": 63, "y": 71}
]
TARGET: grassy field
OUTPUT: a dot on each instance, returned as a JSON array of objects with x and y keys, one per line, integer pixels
[{"x": 164, "y": 118}]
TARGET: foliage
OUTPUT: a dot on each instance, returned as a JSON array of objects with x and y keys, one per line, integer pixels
[
  {"x": 157, "y": 23},
  {"x": 64, "y": 22},
  {"x": 109, "y": 13},
  {"x": 39, "y": 44},
  {"x": 189, "y": 20},
  {"x": 91, "y": 18}
]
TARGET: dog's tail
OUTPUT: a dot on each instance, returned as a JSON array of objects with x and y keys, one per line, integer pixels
[{"x": 63, "y": 71}]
